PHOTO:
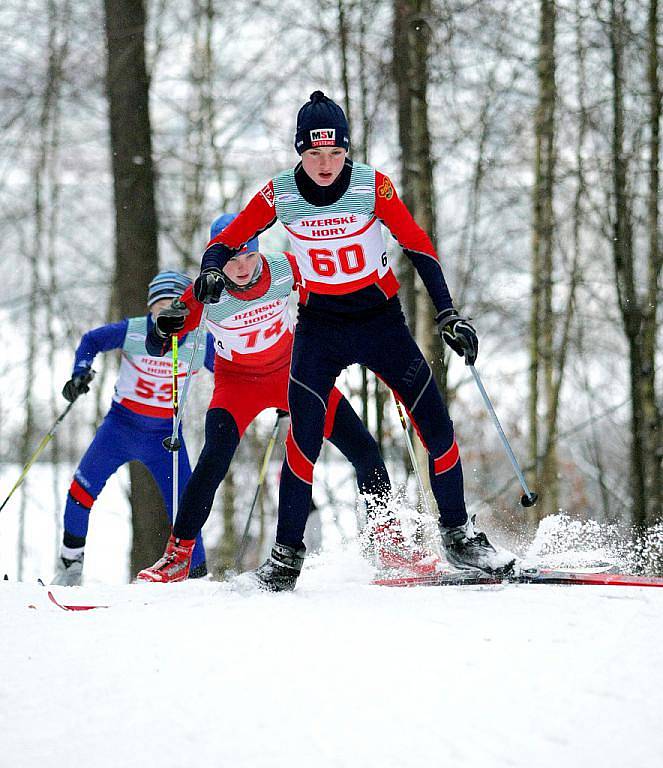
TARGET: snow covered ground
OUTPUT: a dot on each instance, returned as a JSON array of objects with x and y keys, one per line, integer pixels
[{"x": 338, "y": 673}]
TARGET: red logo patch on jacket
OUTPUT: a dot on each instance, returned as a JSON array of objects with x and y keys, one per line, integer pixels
[
  {"x": 268, "y": 193},
  {"x": 386, "y": 190}
]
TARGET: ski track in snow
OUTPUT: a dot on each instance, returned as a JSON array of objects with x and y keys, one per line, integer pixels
[{"x": 338, "y": 673}]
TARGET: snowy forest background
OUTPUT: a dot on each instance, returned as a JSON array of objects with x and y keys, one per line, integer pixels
[{"x": 523, "y": 135}]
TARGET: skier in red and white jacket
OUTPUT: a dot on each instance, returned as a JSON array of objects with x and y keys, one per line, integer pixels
[
  {"x": 333, "y": 210},
  {"x": 253, "y": 333}
]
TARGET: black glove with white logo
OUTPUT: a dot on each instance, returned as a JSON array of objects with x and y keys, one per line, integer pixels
[
  {"x": 208, "y": 286},
  {"x": 170, "y": 321},
  {"x": 77, "y": 385},
  {"x": 459, "y": 334}
]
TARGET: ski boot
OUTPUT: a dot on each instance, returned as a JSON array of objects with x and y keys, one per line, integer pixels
[
  {"x": 280, "y": 571},
  {"x": 69, "y": 573},
  {"x": 466, "y": 548},
  {"x": 174, "y": 565}
]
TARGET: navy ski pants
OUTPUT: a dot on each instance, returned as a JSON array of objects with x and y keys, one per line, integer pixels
[
  {"x": 126, "y": 436},
  {"x": 381, "y": 341}
]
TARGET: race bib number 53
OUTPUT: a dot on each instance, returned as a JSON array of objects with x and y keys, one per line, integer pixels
[{"x": 149, "y": 390}]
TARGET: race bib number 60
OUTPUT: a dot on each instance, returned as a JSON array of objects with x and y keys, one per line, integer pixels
[{"x": 349, "y": 260}]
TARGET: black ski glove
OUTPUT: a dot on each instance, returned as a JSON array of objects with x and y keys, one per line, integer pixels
[
  {"x": 170, "y": 321},
  {"x": 77, "y": 385},
  {"x": 208, "y": 286},
  {"x": 459, "y": 334}
]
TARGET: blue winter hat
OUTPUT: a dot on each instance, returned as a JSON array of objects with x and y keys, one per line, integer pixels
[
  {"x": 321, "y": 123},
  {"x": 221, "y": 222},
  {"x": 167, "y": 285}
]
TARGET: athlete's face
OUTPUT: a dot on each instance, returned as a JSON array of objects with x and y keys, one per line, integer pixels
[
  {"x": 158, "y": 306},
  {"x": 324, "y": 164},
  {"x": 241, "y": 268}
]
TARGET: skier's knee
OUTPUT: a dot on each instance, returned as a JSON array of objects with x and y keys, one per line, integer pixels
[{"x": 221, "y": 430}]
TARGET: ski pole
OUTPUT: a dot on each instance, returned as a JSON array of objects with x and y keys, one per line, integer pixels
[
  {"x": 172, "y": 443},
  {"x": 529, "y": 498},
  {"x": 261, "y": 480},
  {"x": 413, "y": 458},
  {"x": 175, "y": 443},
  {"x": 44, "y": 442}
]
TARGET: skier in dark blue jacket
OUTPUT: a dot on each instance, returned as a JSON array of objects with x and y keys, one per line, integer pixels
[
  {"x": 333, "y": 210},
  {"x": 136, "y": 424}
]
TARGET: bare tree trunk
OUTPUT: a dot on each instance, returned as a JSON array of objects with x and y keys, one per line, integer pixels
[
  {"x": 420, "y": 34},
  {"x": 412, "y": 35},
  {"x": 27, "y": 437},
  {"x": 59, "y": 21},
  {"x": 401, "y": 73},
  {"x": 623, "y": 257},
  {"x": 650, "y": 322},
  {"x": 363, "y": 81},
  {"x": 542, "y": 320},
  {"x": 45, "y": 213},
  {"x": 200, "y": 136},
  {"x": 136, "y": 246},
  {"x": 554, "y": 374},
  {"x": 365, "y": 7},
  {"x": 467, "y": 255},
  {"x": 58, "y": 44},
  {"x": 342, "y": 27}
]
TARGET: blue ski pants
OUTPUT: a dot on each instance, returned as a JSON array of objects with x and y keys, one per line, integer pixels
[{"x": 126, "y": 436}]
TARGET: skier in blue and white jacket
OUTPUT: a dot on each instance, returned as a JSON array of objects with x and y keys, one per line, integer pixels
[{"x": 139, "y": 419}]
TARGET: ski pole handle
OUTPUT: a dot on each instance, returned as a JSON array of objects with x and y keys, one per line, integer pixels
[
  {"x": 174, "y": 441},
  {"x": 530, "y": 498}
]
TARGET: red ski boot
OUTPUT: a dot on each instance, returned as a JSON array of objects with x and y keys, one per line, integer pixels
[{"x": 174, "y": 565}]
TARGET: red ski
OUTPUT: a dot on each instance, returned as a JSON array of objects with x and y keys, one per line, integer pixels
[
  {"x": 66, "y": 607},
  {"x": 526, "y": 576}
]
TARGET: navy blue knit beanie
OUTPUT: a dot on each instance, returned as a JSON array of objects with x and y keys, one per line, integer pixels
[{"x": 321, "y": 123}]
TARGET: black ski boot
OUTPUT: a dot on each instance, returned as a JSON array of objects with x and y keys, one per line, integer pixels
[
  {"x": 467, "y": 548},
  {"x": 280, "y": 571}
]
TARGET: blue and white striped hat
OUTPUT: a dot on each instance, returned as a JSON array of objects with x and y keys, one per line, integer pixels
[{"x": 167, "y": 285}]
